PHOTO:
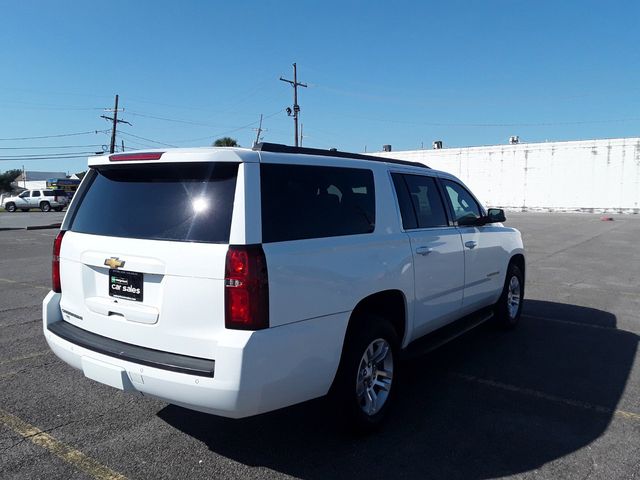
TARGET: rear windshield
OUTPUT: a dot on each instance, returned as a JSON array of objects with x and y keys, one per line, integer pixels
[{"x": 190, "y": 202}]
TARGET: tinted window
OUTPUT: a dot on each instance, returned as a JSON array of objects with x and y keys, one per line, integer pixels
[
  {"x": 404, "y": 202},
  {"x": 24, "y": 195},
  {"x": 300, "y": 201},
  {"x": 426, "y": 201},
  {"x": 35, "y": 193},
  {"x": 461, "y": 200},
  {"x": 185, "y": 202},
  {"x": 48, "y": 193}
]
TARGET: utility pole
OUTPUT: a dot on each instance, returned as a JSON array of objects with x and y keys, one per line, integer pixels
[
  {"x": 115, "y": 120},
  {"x": 301, "y": 135},
  {"x": 296, "y": 108},
  {"x": 113, "y": 129},
  {"x": 258, "y": 131},
  {"x": 122, "y": 144}
]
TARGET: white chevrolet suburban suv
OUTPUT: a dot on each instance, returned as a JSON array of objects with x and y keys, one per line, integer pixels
[
  {"x": 235, "y": 281},
  {"x": 44, "y": 199}
]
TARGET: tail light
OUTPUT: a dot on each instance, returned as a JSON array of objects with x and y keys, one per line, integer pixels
[
  {"x": 246, "y": 288},
  {"x": 55, "y": 263}
]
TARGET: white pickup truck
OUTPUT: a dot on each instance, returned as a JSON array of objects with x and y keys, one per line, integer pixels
[{"x": 236, "y": 281}]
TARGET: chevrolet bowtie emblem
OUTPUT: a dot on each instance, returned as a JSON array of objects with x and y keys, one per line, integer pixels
[{"x": 114, "y": 262}]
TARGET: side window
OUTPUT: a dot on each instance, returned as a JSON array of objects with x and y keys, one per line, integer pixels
[
  {"x": 407, "y": 212},
  {"x": 463, "y": 203},
  {"x": 35, "y": 193},
  {"x": 24, "y": 195},
  {"x": 426, "y": 201},
  {"x": 303, "y": 201},
  {"x": 48, "y": 193},
  {"x": 420, "y": 202}
]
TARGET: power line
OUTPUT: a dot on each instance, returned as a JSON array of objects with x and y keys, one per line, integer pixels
[
  {"x": 50, "y": 146},
  {"x": 47, "y": 155},
  {"x": 54, "y": 136},
  {"x": 225, "y": 108},
  {"x": 208, "y": 137},
  {"x": 139, "y": 144},
  {"x": 177, "y": 120},
  {"x": 40, "y": 158},
  {"x": 147, "y": 139},
  {"x": 166, "y": 119},
  {"x": 44, "y": 106}
]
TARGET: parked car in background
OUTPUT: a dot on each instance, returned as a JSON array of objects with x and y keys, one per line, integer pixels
[{"x": 45, "y": 200}]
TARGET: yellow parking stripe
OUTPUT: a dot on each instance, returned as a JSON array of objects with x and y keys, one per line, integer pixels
[
  {"x": 70, "y": 455},
  {"x": 8, "y": 280},
  {"x": 546, "y": 396},
  {"x": 25, "y": 357}
]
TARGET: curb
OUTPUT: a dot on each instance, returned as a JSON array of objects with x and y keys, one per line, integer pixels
[
  {"x": 31, "y": 227},
  {"x": 43, "y": 227}
]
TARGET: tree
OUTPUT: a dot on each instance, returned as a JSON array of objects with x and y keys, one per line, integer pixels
[
  {"x": 226, "y": 142},
  {"x": 6, "y": 178},
  {"x": 81, "y": 175}
]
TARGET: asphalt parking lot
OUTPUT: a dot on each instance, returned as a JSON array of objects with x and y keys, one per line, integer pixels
[{"x": 556, "y": 398}]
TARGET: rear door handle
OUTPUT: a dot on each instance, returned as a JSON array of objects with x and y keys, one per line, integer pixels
[
  {"x": 423, "y": 250},
  {"x": 471, "y": 244}
]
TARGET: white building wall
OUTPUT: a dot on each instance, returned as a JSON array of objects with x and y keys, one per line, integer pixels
[
  {"x": 589, "y": 175},
  {"x": 34, "y": 184}
]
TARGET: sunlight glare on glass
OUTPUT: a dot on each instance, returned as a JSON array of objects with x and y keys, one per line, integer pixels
[{"x": 200, "y": 204}]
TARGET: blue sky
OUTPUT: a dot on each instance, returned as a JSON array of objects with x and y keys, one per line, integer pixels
[{"x": 403, "y": 73}]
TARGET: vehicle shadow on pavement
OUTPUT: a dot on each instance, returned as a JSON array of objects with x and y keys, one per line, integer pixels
[{"x": 488, "y": 404}]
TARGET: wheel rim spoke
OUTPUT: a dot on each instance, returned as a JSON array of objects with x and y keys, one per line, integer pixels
[
  {"x": 381, "y": 354},
  {"x": 513, "y": 296},
  {"x": 375, "y": 376},
  {"x": 383, "y": 383}
]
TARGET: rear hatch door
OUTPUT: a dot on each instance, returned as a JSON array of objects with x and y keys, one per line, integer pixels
[{"x": 143, "y": 257}]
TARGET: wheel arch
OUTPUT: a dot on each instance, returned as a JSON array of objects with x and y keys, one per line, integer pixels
[
  {"x": 518, "y": 260},
  {"x": 389, "y": 304}
]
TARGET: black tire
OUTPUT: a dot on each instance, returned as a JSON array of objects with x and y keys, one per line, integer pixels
[
  {"x": 45, "y": 206},
  {"x": 349, "y": 407},
  {"x": 10, "y": 207},
  {"x": 507, "y": 313}
]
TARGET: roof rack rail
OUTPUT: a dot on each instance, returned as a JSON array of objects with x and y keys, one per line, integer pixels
[{"x": 279, "y": 148}]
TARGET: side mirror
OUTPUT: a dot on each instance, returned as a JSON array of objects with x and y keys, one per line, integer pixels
[{"x": 495, "y": 215}]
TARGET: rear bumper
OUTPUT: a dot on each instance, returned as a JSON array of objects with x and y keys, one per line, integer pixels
[
  {"x": 140, "y": 355},
  {"x": 255, "y": 372}
]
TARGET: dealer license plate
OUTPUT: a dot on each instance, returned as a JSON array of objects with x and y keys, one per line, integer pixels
[{"x": 127, "y": 285}]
